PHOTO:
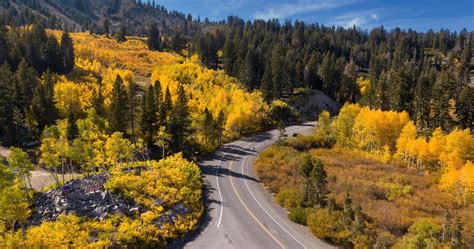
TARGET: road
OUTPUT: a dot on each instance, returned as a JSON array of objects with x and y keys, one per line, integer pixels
[{"x": 240, "y": 213}]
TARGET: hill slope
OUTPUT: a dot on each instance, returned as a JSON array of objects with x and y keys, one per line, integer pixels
[{"x": 91, "y": 14}]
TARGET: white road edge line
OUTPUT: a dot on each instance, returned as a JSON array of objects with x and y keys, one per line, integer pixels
[
  {"x": 246, "y": 184},
  {"x": 219, "y": 190}
]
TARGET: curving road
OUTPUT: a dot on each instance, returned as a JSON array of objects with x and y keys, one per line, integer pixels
[{"x": 241, "y": 214}]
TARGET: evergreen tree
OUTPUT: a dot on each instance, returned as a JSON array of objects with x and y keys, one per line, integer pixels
[
  {"x": 347, "y": 210},
  {"x": 43, "y": 102},
  {"x": 167, "y": 107},
  {"x": 149, "y": 116},
  {"x": 319, "y": 183},
  {"x": 98, "y": 101},
  {"x": 180, "y": 122},
  {"x": 121, "y": 34},
  {"x": 465, "y": 108},
  {"x": 131, "y": 100},
  {"x": 118, "y": 109},
  {"x": 153, "y": 37}
]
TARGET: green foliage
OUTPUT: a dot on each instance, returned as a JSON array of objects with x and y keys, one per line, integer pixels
[
  {"x": 397, "y": 190},
  {"x": 288, "y": 198},
  {"x": 298, "y": 215},
  {"x": 422, "y": 234}
]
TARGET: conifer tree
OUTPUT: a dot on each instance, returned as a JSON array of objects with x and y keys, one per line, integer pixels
[
  {"x": 118, "y": 109},
  {"x": 149, "y": 116},
  {"x": 67, "y": 52},
  {"x": 154, "y": 39},
  {"x": 180, "y": 122}
]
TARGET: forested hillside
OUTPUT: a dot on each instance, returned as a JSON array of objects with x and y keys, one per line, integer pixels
[
  {"x": 426, "y": 74},
  {"x": 99, "y": 16}
]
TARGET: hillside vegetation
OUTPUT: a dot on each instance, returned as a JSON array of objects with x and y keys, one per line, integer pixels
[{"x": 370, "y": 178}]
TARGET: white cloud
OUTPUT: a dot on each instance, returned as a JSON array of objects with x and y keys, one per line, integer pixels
[
  {"x": 287, "y": 10},
  {"x": 357, "y": 18}
]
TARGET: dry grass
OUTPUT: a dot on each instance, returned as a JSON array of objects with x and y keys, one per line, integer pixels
[{"x": 367, "y": 180}]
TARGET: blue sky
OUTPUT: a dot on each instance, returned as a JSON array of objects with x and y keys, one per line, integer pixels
[{"x": 419, "y": 15}]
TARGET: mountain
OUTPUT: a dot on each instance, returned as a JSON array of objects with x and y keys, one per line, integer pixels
[{"x": 95, "y": 15}]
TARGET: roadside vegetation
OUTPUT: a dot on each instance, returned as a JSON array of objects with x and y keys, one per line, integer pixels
[{"x": 369, "y": 177}]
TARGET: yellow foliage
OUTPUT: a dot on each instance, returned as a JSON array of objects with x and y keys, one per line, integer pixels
[
  {"x": 245, "y": 112},
  {"x": 363, "y": 84},
  {"x": 373, "y": 129},
  {"x": 132, "y": 54},
  {"x": 68, "y": 94}
]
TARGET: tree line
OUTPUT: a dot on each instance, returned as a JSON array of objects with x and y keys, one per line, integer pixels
[
  {"x": 29, "y": 57},
  {"x": 425, "y": 74}
]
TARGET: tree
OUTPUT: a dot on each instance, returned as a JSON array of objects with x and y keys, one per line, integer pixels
[
  {"x": 162, "y": 139},
  {"x": 118, "y": 109},
  {"x": 14, "y": 207},
  {"x": 306, "y": 168},
  {"x": 153, "y": 37},
  {"x": 121, "y": 34},
  {"x": 118, "y": 149},
  {"x": 324, "y": 133},
  {"x": 149, "y": 116},
  {"x": 20, "y": 164},
  {"x": 67, "y": 51},
  {"x": 180, "y": 123},
  {"x": 105, "y": 26},
  {"x": 131, "y": 100},
  {"x": 319, "y": 183},
  {"x": 446, "y": 226},
  {"x": 456, "y": 238},
  {"x": 6, "y": 176}
]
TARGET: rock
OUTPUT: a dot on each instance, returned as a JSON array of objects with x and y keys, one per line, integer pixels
[{"x": 84, "y": 198}]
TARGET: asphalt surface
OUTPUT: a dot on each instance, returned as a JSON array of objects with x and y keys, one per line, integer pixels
[{"x": 240, "y": 212}]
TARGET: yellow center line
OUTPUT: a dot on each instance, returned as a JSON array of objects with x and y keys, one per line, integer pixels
[{"x": 250, "y": 212}]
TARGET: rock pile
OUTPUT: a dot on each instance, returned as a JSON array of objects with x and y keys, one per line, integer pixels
[{"x": 84, "y": 198}]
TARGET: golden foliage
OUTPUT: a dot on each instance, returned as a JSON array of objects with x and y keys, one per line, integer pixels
[{"x": 245, "y": 112}]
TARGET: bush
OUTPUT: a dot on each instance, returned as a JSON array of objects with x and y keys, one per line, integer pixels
[
  {"x": 298, "y": 215},
  {"x": 396, "y": 190},
  {"x": 323, "y": 223},
  {"x": 288, "y": 198}
]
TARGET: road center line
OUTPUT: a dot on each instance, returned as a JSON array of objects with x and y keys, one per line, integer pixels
[
  {"x": 251, "y": 193},
  {"x": 250, "y": 212}
]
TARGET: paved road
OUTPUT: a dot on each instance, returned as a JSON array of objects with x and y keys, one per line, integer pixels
[{"x": 241, "y": 214}]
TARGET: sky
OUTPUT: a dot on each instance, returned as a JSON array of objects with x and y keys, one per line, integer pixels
[{"x": 420, "y": 15}]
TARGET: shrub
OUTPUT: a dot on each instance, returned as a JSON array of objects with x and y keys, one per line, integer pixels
[
  {"x": 396, "y": 190},
  {"x": 324, "y": 224},
  {"x": 288, "y": 198},
  {"x": 298, "y": 215}
]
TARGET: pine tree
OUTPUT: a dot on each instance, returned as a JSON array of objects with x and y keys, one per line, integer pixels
[
  {"x": 180, "y": 122},
  {"x": 118, "y": 109},
  {"x": 131, "y": 100},
  {"x": 347, "y": 210},
  {"x": 319, "y": 181},
  {"x": 43, "y": 102},
  {"x": 7, "y": 104},
  {"x": 98, "y": 101},
  {"x": 167, "y": 107},
  {"x": 154, "y": 39},
  {"x": 149, "y": 116},
  {"x": 306, "y": 168},
  {"x": 278, "y": 72},
  {"x": 121, "y": 34},
  {"x": 465, "y": 108}
]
